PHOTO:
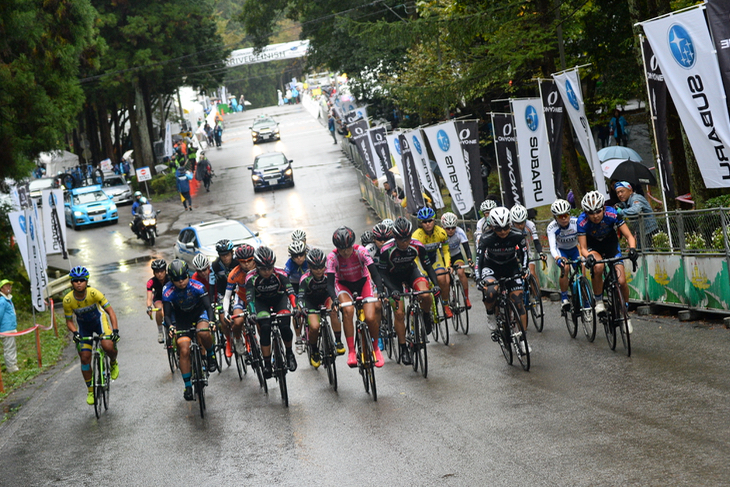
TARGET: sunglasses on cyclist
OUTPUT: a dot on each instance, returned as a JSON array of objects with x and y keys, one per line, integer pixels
[
  {"x": 271, "y": 268},
  {"x": 246, "y": 261},
  {"x": 449, "y": 228},
  {"x": 78, "y": 280},
  {"x": 380, "y": 239},
  {"x": 430, "y": 220},
  {"x": 501, "y": 229},
  {"x": 403, "y": 239},
  {"x": 318, "y": 268},
  {"x": 564, "y": 215},
  {"x": 294, "y": 256},
  {"x": 594, "y": 212},
  {"x": 179, "y": 280}
]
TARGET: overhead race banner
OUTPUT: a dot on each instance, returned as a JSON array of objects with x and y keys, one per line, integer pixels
[
  {"x": 444, "y": 141},
  {"x": 505, "y": 145},
  {"x": 359, "y": 131},
  {"x": 553, "y": 108},
  {"x": 380, "y": 146},
  {"x": 569, "y": 86},
  {"x": 414, "y": 196},
  {"x": 685, "y": 52},
  {"x": 718, "y": 18},
  {"x": 53, "y": 230},
  {"x": 272, "y": 52},
  {"x": 534, "y": 152},
  {"x": 658, "y": 106},
  {"x": 423, "y": 166},
  {"x": 28, "y": 235},
  {"x": 469, "y": 140}
]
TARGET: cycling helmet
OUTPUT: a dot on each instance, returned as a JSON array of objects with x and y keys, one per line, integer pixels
[
  {"x": 178, "y": 270},
  {"x": 137, "y": 195},
  {"x": 264, "y": 257},
  {"x": 560, "y": 207},
  {"x": 487, "y": 205},
  {"x": 316, "y": 259},
  {"x": 518, "y": 213},
  {"x": 426, "y": 213},
  {"x": 297, "y": 247},
  {"x": 224, "y": 246},
  {"x": 449, "y": 220},
  {"x": 382, "y": 232},
  {"x": 143, "y": 201},
  {"x": 388, "y": 223},
  {"x": 402, "y": 228},
  {"x": 500, "y": 217},
  {"x": 244, "y": 252},
  {"x": 366, "y": 238},
  {"x": 200, "y": 262},
  {"x": 299, "y": 234},
  {"x": 79, "y": 272},
  {"x": 159, "y": 265},
  {"x": 593, "y": 201},
  {"x": 343, "y": 238}
]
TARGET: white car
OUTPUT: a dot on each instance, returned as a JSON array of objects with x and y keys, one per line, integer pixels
[
  {"x": 202, "y": 237},
  {"x": 116, "y": 186}
]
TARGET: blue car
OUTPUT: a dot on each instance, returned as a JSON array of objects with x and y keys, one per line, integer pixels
[
  {"x": 202, "y": 237},
  {"x": 271, "y": 169},
  {"x": 88, "y": 205}
]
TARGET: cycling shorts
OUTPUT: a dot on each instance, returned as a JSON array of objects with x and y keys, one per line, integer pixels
[
  {"x": 238, "y": 303},
  {"x": 457, "y": 259},
  {"x": 439, "y": 268},
  {"x": 607, "y": 250},
  {"x": 313, "y": 304},
  {"x": 570, "y": 254},
  {"x": 87, "y": 331},
  {"x": 363, "y": 287},
  {"x": 186, "y": 320},
  {"x": 409, "y": 280}
]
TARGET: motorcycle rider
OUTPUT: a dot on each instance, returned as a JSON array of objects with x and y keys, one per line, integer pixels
[{"x": 137, "y": 212}]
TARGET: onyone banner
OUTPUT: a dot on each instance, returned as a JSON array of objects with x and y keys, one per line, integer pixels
[
  {"x": 505, "y": 146},
  {"x": 569, "y": 87},
  {"x": 552, "y": 106},
  {"x": 356, "y": 114},
  {"x": 423, "y": 167},
  {"x": 359, "y": 131},
  {"x": 53, "y": 230},
  {"x": 468, "y": 131},
  {"x": 533, "y": 152},
  {"x": 685, "y": 53},
  {"x": 414, "y": 196},
  {"x": 446, "y": 148},
  {"x": 272, "y": 52},
  {"x": 380, "y": 147}
]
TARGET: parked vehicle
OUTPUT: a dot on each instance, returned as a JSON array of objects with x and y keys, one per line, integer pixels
[
  {"x": 116, "y": 186},
  {"x": 88, "y": 205},
  {"x": 202, "y": 237}
]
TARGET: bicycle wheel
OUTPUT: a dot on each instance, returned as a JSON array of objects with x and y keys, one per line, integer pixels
[
  {"x": 280, "y": 365},
  {"x": 172, "y": 358},
  {"x": 535, "y": 304},
  {"x": 435, "y": 318},
  {"x": 441, "y": 323},
  {"x": 107, "y": 379},
  {"x": 570, "y": 316},
  {"x": 412, "y": 319},
  {"x": 240, "y": 364},
  {"x": 257, "y": 362},
  {"x": 422, "y": 353},
  {"x": 608, "y": 319},
  {"x": 454, "y": 296},
  {"x": 197, "y": 369},
  {"x": 587, "y": 307},
  {"x": 389, "y": 331},
  {"x": 96, "y": 383},
  {"x": 503, "y": 334},
  {"x": 368, "y": 363},
  {"x": 518, "y": 337},
  {"x": 223, "y": 350},
  {"x": 464, "y": 314},
  {"x": 327, "y": 349},
  {"x": 622, "y": 318}
]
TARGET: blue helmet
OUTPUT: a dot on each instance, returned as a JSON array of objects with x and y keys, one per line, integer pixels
[
  {"x": 79, "y": 272},
  {"x": 426, "y": 213}
]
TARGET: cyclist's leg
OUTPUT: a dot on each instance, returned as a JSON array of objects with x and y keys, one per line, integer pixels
[
  {"x": 348, "y": 313},
  {"x": 160, "y": 314},
  {"x": 621, "y": 276},
  {"x": 489, "y": 290},
  {"x": 263, "y": 318},
  {"x": 237, "y": 318},
  {"x": 444, "y": 281},
  {"x": 371, "y": 309},
  {"x": 424, "y": 300},
  {"x": 515, "y": 296},
  {"x": 399, "y": 321},
  {"x": 183, "y": 348},
  {"x": 597, "y": 275}
]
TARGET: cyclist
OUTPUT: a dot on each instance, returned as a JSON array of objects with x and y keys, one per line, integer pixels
[
  {"x": 313, "y": 295},
  {"x": 154, "y": 295},
  {"x": 350, "y": 270},
  {"x": 502, "y": 252},
  {"x": 398, "y": 256},
  {"x": 203, "y": 275},
  {"x": 223, "y": 266},
  {"x": 186, "y": 305},
  {"x": 299, "y": 234},
  {"x": 366, "y": 238},
  {"x": 295, "y": 267},
  {"x": 562, "y": 235},
  {"x": 598, "y": 239},
  {"x": 381, "y": 234},
  {"x": 458, "y": 241},
  {"x": 237, "y": 282},
  {"x": 483, "y": 225},
  {"x": 518, "y": 215},
  {"x": 90, "y": 308},
  {"x": 435, "y": 240},
  {"x": 268, "y": 287}
]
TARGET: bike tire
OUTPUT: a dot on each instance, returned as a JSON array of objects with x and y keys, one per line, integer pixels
[
  {"x": 330, "y": 354},
  {"x": 151, "y": 237},
  {"x": 411, "y": 324},
  {"x": 436, "y": 319},
  {"x": 608, "y": 323},
  {"x": 240, "y": 364},
  {"x": 97, "y": 384},
  {"x": 571, "y": 316},
  {"x": 257, "y": 362},
  {"x": 106, "y": 383},
  {"x": 454, "y": 295},
  {"x": 172, "y": 359},
  {"x": 225, "y": 357},
  {"x": 537, "y": 313},
  {"x": 280, "y": 364},
  {"x": 587, "y": 315},
  {"x": 464, "y": 314},
  {"x": 420, "y": 342},
  {"x": 442, "y": 324},
  {"x": 369, "y": 362},
  {"x": 503, "y": 335},
  {"x": 373, "y": 385},
  {"x": 622, "y": 318},
  {"x": 197, "y": 368},
  {"x": 518, "y": 338}
]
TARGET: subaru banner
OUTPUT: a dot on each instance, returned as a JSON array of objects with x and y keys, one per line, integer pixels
[
  {"x": 423, "y": 167},
  {"x": 444, "y": 141}
]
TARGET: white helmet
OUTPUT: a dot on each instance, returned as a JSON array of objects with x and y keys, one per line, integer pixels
[
  {"x": 297, "y": 247},
  {"x": 560, "y": 207},
  {"x": 298, "y": 234},
  {"x": 593, "y": 201},
  {"x": 200, "y": 262},
  {"x": 449, "y": 220},
  {"x": 499, "y": 217},
  {"x": 388, "y": 223},
  {"x": 487, "y": 205},
  {"x": 518, "y": 213}
]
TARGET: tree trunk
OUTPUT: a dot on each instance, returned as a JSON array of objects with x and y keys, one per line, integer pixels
[
  {"x": 147, "y": 99},
  {"x": 143, "y": 153},
  {"x": 105, "y": 132},
  {"x": 92, "y": 135}
]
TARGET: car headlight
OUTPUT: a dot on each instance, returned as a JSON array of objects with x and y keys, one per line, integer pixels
[
  {"x": 288, "y": 172},
  {"x": 150, "y": 222},
  {"x": 256, "y": 178},
  {"x": 113, "y": 207},
  {"x": 276, "y": 131},
  {"x": 78, "y": 213}
]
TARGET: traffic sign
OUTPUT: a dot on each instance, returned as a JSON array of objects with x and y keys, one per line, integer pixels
[{"x": 144, "y": 174}]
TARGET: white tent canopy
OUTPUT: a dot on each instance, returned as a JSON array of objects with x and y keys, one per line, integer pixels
[{"x": 56, "y": 161}]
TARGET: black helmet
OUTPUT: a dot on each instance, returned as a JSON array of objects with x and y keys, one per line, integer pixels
[
  {"x": 343, "y": 238},
  {"x": 402, "y": 228},
  {"x": 381, "y": 231},
  {"x": 244, "y": 252},
  {"x": 264, "y": 257},
  {"x": 366, "y": 238},
  {"x": 159, "y": 265},
  {"x": 224, "y": 246},
  {"x": 316, "y": 259},
  {"x": 177, "y": 270}
]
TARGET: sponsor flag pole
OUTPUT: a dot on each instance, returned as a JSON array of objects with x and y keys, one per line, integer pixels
[{"x": 496, "y": 157}]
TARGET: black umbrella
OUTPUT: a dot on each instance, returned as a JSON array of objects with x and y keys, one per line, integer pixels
[{"x": 634, "y": 172}]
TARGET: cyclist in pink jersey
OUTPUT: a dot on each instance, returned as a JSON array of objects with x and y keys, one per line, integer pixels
[{"x": 350, "y": 270}]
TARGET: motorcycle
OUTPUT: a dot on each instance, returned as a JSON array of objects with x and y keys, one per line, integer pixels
[{"x": 147, "y": 224}]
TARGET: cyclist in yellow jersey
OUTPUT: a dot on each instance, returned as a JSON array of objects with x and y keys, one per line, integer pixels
[
  {"x": 90, "y": 308},
  {"x": 435, "y": 239}
]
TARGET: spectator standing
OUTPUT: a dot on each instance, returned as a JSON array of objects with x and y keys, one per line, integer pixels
[
  {"x": 331, "y": 126},
  {"x": 632, "y": 205},
  {"x": 618, "y": 128},
  {"x": 183, "y": 187},
  {"x": 8, "y": 324}
]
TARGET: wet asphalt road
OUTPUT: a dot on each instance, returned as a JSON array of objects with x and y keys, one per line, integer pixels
[{"x": 583, "y": 415}]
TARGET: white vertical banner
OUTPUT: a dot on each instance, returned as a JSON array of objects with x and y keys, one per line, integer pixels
[
  {"x": 444, "y": 141},
  {"x": 28, "y": 235},
  {"x": 533, "y": 149},
  {"x": 395, "y": 153},
  {"x": 686, "y": 55},
  {"x": 168, "y": 140},
  {"x": 53, "y": 230},
  {"x": 423, "y": 167},
  {"x": 569, "y": 87}
]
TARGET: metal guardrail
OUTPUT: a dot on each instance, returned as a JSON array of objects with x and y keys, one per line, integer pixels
[{"x": 56, "y": 286}]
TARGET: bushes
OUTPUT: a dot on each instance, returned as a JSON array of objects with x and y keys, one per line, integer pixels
[
  {"x": 723, "y": 200},
  {"x": 163, "y": 183}
]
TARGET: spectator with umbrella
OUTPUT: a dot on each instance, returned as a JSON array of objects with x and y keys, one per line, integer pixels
[{"x": 634, "y": 205}]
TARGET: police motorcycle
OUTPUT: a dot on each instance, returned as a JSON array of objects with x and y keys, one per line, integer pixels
[{"x": 146, "y": 220}]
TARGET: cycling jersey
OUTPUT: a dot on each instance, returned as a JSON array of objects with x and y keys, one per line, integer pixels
[
  {"x": 277, "y": 284},
  {"x": 220, "y": 274},
  {"x": 209, "y": 286},
  {"x": 455, "y": 242},
  {"x": 480, "y": 230},
  {"x": 89, "y": 312},
  {"x": 351, "y": 269},
  {"x": 237, "y": 282},
  {"x": 156, "y": 286},
  {"x": 502, "y": 255},
  {"x": 562, "y": 238},
  {"x": 605, "y": 229},
  {"x": 400, "y": 266},
  {"x": 436, "y": 245},
  {"x": 295, "y": 272},
  {"x": 531, "y": 229},
  {"x": 185, "y": 307},
  {"x": 312, "y": 293}
]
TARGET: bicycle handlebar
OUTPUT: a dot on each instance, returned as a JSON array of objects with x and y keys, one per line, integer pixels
[{"x": 611, "y": 260}]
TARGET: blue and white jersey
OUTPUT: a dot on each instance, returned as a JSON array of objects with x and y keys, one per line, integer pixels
[
  {"x": 562, "y": 238},
  {"x": 455, "y": 241},
  {"x": 184, "y": 299},
  {"x": 605, "y": 229}
]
